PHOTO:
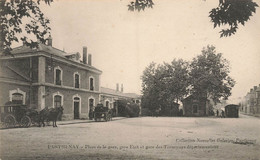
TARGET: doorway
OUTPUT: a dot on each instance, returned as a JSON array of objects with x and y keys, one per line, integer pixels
[{"x": 76, "y": 108}]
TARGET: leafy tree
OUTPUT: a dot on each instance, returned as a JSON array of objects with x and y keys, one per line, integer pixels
[
  {"x": 140, "y": 5},
  {"x": 127, "y": 108},
  {"x": 210, "y": 75},
  {"x": 228, "y": 12},
  {"x": 150, "y": 88},
  {"x": 164, "y": 85},
  {"x": 232, "y": 12},
  {"x": 178, "y": 79},
  {"x": 13, "y": 14}
]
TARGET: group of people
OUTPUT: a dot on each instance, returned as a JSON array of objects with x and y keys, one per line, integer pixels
[{"x": 222, "y": 114}]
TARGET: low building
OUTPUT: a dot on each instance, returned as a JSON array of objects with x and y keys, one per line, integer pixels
[
  {"x": 195, "y": 106},
  {"x": 110, "y": 97}
]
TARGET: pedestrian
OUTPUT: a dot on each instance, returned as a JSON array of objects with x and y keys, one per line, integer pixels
[{"x": 222, "y": 114}]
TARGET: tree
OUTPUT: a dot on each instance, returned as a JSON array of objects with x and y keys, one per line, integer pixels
[
  {"x": 228, "y": 12},
  {"x": 232, "y": 12},
  {"x": 150, "y": 88},
  {"x": 210, "y": 75},
  {"x": 13, "y": 14},
  {"x": 164, "y": 85},
  {"x": 140, "y": 5}
]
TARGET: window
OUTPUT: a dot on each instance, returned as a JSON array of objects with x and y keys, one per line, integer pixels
[
  {"x": 57, "y": 75},
  {"x": 76, "y": 80},
  {"x": 17, "y": 98},
  {"x": 91, "y": 84},
  {"x": 91, "y": 103},
  {"x": 107, "y": 103},
  {"x": 195, "y": 108},
  {"x": 57, "y": 101}
]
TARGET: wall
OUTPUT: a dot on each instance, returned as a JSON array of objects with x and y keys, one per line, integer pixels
[
  {"x": 6, "y": 87},
  {"x": 68, "y": 75},
  {"x": 68, "y": 104},
  {"x": 188, "y": 104}
]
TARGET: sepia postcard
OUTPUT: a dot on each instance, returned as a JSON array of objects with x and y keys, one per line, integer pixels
[{"x": 130, "y": 79}]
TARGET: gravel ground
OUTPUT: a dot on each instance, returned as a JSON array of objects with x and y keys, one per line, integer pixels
[{"x": 137, "y": 138}]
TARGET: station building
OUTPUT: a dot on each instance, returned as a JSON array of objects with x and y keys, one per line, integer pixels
[{"x": 49, "y": 77}]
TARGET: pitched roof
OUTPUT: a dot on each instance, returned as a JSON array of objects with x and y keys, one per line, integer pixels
[
  {"x": 50, "y": 50},
  {"x": 41, "y": 47},
  {"x": 194, "y": 97},
  {"x": 118, "y": 93}
]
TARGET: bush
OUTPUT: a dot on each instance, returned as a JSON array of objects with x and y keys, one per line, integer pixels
[
  {"x": 132, "y": 110},
  {"x": 128, "y": 109},
  {"x": 146, "y": 112}
]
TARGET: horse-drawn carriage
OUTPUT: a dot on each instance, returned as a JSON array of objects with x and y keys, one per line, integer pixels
[
  {"x": 14, "y": 115},
  {"x": 17, "y": 115},
  {"x": 102, "y": 112}
]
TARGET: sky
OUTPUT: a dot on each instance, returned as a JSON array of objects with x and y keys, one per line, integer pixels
[{"x": 123, "y": 43}]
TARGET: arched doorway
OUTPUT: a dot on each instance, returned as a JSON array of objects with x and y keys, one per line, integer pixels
[
  {"x": 91, "y": 108},
  {"x": 76, "y": 102}
]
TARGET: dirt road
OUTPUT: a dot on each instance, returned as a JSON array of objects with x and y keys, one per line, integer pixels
[{"x": 137, "y": 138}]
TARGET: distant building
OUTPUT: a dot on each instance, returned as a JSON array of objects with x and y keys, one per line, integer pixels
[
  {"x": 110, "y": 97},
  {"x": 250, "y": 104},
  {"x": 195, "y": 106}
]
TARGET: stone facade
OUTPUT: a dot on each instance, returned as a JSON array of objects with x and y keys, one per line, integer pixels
[
  {"x": 250, "y": 104},
  {"x": 195, "y": 106},
  {"x": 110, "y": 97},
  {"x": 48, "y": 77}
]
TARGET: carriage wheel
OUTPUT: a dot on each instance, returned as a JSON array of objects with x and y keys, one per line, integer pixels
[
  {"x": 9, "y": 121},
  {"x": 26, "y": 122},
  {"x": 108, "y": 117}
]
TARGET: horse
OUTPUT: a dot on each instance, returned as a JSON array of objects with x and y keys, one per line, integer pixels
[{"x": 51, "y": 114}]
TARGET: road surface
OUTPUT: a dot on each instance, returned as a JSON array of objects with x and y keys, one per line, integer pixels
[{"x": 137, "y": 138}]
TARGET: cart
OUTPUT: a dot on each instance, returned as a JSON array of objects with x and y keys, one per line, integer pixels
[
  {"x": 232, "y": 111},
  {"x": 102, "y": 113},
  {"x": 17, "y": 115}
]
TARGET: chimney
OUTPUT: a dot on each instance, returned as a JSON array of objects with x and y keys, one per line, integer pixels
[
  {"x": 117, "y": 87},
  {"x": 122, "y": 88},
  {"x": 251, "y": 90},
  {"x": 89, "y": 59},
  {"x": 85, "y": 55},
  {"x": 49, "y": 41}
]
